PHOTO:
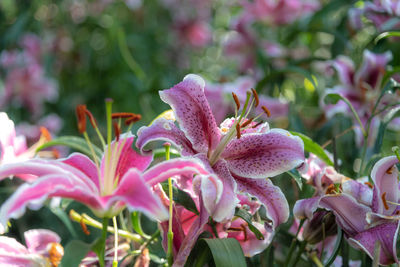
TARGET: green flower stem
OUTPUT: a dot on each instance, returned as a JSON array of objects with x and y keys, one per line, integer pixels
[
  {"x": 115, "y": 261},
  {"x": 103, "y": 241},
  {"x": 377, "y": 254},
  {"x": 301, "y": 250},
  {"x": 170, "y": 234},
  {"x": 92, "y": 222},
  {"x": 292, "y": 245}
]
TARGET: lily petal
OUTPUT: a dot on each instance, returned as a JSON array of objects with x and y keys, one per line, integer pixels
[
  {"x": 85, "y": 165},
  {"x": 345, "y": 68},
  {"x": 264, "y": 155},
  {"x": 361, "y": 192},
  {"x": 136, "y": 194},
  {"x": 304, "y": 208},
  {"x": 165, "y": 130},
  {"x": 386, "y": 234},
  {"x": 180, "y": 166},
  {"x": 53, "y": 185},
  {"x": 384, "y": 174},
  {"x": 193, "y": 113},
  {"x": 269, "y": 195},
  {"x": 350, "y": 214},
  {"x": 37, "y": 240}
]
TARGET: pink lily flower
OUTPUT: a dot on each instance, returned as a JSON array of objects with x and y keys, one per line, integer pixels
[
  {"x": 368, "y": 216},
  {"x": 242, "y": 153},
  {"x": 362, "y": 88},
  {"x": 119, "y": 180},
  {"x": 42, "y": 249}
]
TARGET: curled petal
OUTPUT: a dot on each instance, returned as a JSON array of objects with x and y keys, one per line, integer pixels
[
  {"x": 170, "y": 168},
  {"x": 193, "y": 113},
  {"x": 350, "y": 214},
  {"x": 384, "y": 174},
  {"x": 304, "y": 208},
  {"x": 85, "y": 165},
  {"x": 264, "y": 155},
  {"x": 345, "y": 68},
  {"x": 269, "y": 195},
  {"x": 361, "y": 192},
  {"x": 386, "y": 234},
  {"x": 136, "y": 195},
  {"x": 37, "y": 240},
  {"x": 211, "y": 189},
  {"x": 165, "y": 130},
  {"x": 53, "y": 185}
]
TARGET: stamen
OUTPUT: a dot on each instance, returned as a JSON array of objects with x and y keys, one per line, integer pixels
[
  {"x": 369, "y": 185},
  {"x": 384, "y": 201},
  {"x": 117, "y": 130},
  {"x": 331, "y": 189},
  {"x": 255, "y": 97},
  {"x": 238, "y": 131},
  {"x": 92, "y": 120},
  {"x": 266, "y": 110},
  {"x": 258, "y": 124},
  {"x": 235, "y": 97},
  {"x": 244, "y": 231},
  {"x": 133, "y": 119},
  {"x": 80, "y": 115},
  {"x": 390, "y": 170},
  {"x": 56, "y": 252},
  {"x": 56, "y": 153},
  {"x": 247, "y": 123},
  {"x": 45, "y": 133},
  {"x": 84, "y": 227}
]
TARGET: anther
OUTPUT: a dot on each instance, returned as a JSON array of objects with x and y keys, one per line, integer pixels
[
  {"x": 56, "y": 252},
  {"x": 117, "y": 130},
  {"x": 266, "y": 110},
  {"x": 80, "y": 115},
  {"x": 56, "y": 153},
  {"x": 258, "y": 124},
  {"x": 244, "y": 124},
  {"x": 331, "y": 189},
  {"x": 384, "y": 201},
  {"x": 255, "y": 97},
  {"x": 45, "y": 133},
  {"x": 244, "y": 231},
  {"x": 238, "y": 131},
  {"x": 92, "y": 120},
  {"x": 369, "y": 185},
  {"x": 84, "y": 227},
  {"x": 235, "y": 97},
  {"x": 390, "y": 170},
  {"x": 133, "y": 119}
]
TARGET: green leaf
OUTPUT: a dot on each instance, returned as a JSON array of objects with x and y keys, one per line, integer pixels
[
  {"x": 247, "y": 217},
  {"x": 312, "y": 147},
  {"x": 224, "y": 252},
  {"x": 74, "y": 252},
  {"x": 63, "y": 216},
  {"x": 73, "y": 142},
  {"x": 297, "y": 177},
  {"x": 182, "y": 198}
]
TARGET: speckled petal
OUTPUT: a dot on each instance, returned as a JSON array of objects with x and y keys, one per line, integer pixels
[
  {"x": 164, "y": 130},
  {"x": 269, "y": 195},
  {"x": 361, "y": 192},
  {"x": 193, "y": 113},
  {"x": 386, "y": 234},
  {"x": 264, "y": 155}
]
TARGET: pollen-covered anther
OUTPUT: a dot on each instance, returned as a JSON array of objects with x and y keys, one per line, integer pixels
[
  {"x": 244, "y": 231},
  {"x": 235, "y": 97},
  {"x": 331, "y": 189},
  {"x": 255, "y": 95},
  {"x": 266, "y": 110},
  {"x": 244, "y": 124},
  {"x": 384, "y": 201},
  {"x": 133, "y": 119},
  {"x": 56, "y": 252},
  {"x": 117, "y": 130},
  {"x": 238, "y": 135},
  {"x": 45, "y": 133},
  {"x": 369, "y": 185},
  {"x": 56, "y": 153},
  {"x": 84, "y": 227},
  {"x": 80, "y": 115},
  {"x": 390, "y": 170}
]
